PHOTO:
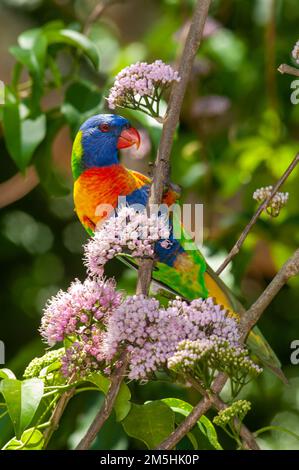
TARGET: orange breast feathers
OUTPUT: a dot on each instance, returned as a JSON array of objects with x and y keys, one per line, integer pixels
[{"x": 96, "y": 192}]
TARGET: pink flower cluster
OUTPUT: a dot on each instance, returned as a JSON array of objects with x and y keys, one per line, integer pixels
[
  {"x": 68, "y": 312},
  {"x": 77, "y": 361},
  {"x": 128, "y": 232},
  {"x": 100, "y": 324},
  {"x": 139, "y": 80},
  {"x": 80, "y": 314},
  {"x": 151, "y": 333}
]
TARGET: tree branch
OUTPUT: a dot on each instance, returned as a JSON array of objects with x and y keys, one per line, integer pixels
[
  {"x": 107, "y": 407},
  {"x": 200, "y": 409},
  {"x": 248, "y": 320},
  {"x": 160, "y": 179},
  {"x": 284, "y": 68},
  {"x": 270, "y": 54},
  {"x": 161, "y": 169},
  {"x": 96, "y": 13},
  {"x": 252, "y": 316},
  {"x": 236, "y": 248},
  {"x": 57, "y": 414}
]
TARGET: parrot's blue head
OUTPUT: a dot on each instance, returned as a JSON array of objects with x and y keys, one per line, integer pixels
[{"x": 99, "y": 139}]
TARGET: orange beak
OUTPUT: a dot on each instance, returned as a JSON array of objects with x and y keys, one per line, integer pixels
[{"x": 128, "y": 137}]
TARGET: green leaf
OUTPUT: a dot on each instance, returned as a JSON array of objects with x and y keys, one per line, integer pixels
[
  {"x": 83, "y": 96},
  {"x": 151, "y": 423},
  {"x": 50, "y": 368},
  {"x": 16, "y": 75},
  {"x": 193, "y": 440},
  {"x": 6, "y": 374},
  {"x": 12, "y": 131},
  {"x": 31, "y": 52},
  {"x": 28, "y": 39},
  {"x": 82, "y": 100},
  {"x": 210, "y": 432},
  {"x": 204, "y": 424},
  {"x": 225, "y": 47},
  {"x": 24, "y": 57},
  {"x": 31, "y": 394},
  {"x": 75, "y": 39},
  {"x": 57, "y": 78},
  {"x": 39, "y": 52},
  {"x": 33, "y": 132},
  {"x": 99, "y": 380},
  {"x": 55, "y": 24},
  {"x": 31, "y": 439},
  {"x": 11, "y": 391},
  {"x": 22, "y": 399},
  {"x": 276, "y": 428},
  {"x": 122, "y": 404},
  {"x": 22, "y": 137},
  {"x": 52, "y": 181}
]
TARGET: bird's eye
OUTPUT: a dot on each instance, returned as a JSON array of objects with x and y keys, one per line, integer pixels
[{"x": 104, "y": 127}]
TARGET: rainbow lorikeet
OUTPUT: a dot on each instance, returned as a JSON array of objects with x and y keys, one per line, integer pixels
[{"x": 101, "y": 179}]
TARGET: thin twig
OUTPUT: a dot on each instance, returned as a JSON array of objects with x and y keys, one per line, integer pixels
[
  {"x": 107, "y": 407},
  {"x": 236, "y": 248},
  {"x": 251, "y": 317},
  {"x": 97, "y": 13},
  {"x": 200, "y": 409},
  {"x": 270, "y": 54},
  {"x": 285, "y": 68},
  {"x": 162, "y": 165},
  {"x": 248, "y": 320},
  {"x": 160, "y": 180},
  {"x": 57, "y": 414}
]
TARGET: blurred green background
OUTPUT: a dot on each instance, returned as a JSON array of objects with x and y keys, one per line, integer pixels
[{"x": 239, "y": 131}]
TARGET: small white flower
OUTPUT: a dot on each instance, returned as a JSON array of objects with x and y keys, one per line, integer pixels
[
  {"x": 278, "y": 201},
  {"x": 129, "y": 230}
]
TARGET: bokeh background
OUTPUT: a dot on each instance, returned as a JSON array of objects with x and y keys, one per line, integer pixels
[{"x": 239, "y": 131}]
